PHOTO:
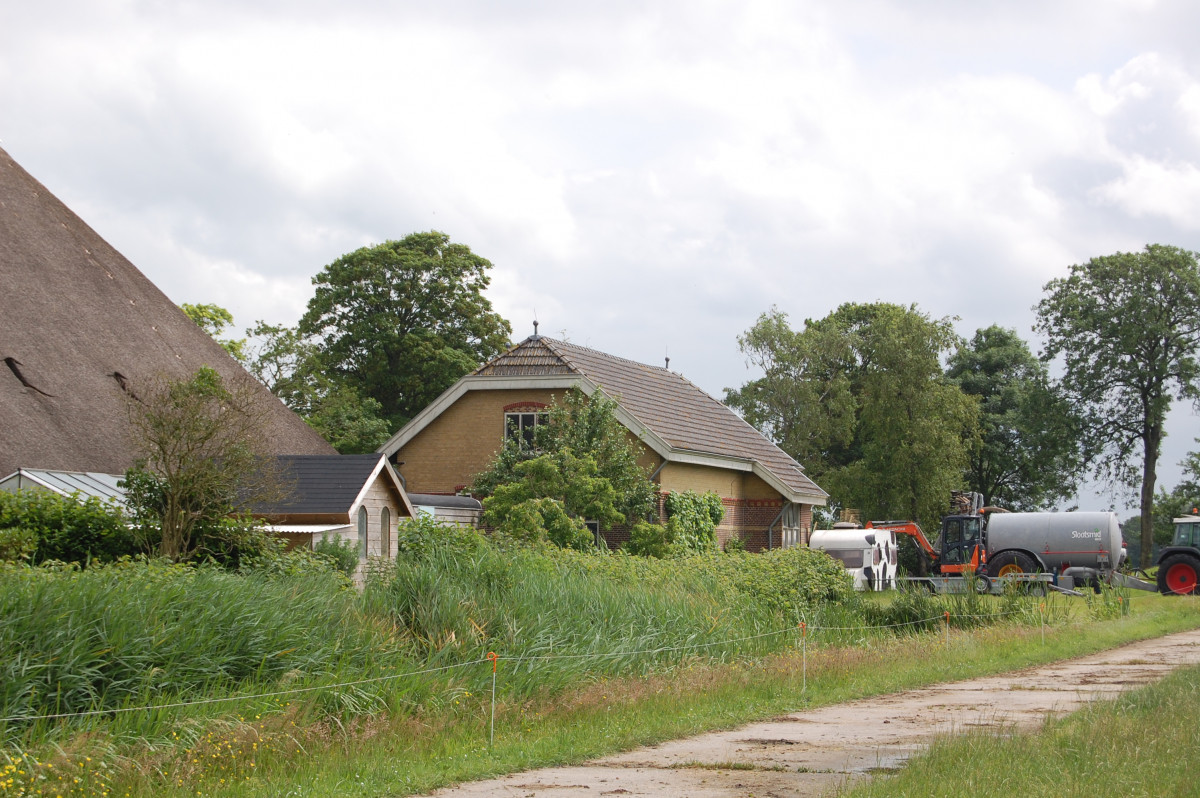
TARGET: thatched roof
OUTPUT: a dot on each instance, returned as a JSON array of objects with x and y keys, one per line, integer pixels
[{"x": 79, "y": 326}]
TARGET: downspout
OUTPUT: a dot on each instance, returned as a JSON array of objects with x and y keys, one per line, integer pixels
[{"x": 781, "y": 509}]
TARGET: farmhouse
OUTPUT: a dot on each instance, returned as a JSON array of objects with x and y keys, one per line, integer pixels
[{"x": 688, "y": 440}]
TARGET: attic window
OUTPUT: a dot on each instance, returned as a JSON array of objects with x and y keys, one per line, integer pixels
[{"x": 521, "y": 426}]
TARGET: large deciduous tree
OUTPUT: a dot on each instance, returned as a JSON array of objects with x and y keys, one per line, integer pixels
[
  {"x": 1127, "y": 326},
  {"x": 401, "y": 321},
  {"x": 290, "y": 366},
  {"x": 860, "y": 398},
  {"x": 1027, "y": 455}
]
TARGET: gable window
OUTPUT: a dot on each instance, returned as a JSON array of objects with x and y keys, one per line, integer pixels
[{"x": 520, "y": 426}]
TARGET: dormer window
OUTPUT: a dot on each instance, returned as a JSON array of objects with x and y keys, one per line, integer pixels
[{"x": 521, "y": 420}]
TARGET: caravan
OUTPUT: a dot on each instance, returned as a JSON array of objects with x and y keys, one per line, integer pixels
[{"x": 868, "y": 555}]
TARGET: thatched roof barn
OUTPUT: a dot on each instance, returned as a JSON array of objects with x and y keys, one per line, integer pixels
[{"x": 79, "y": 327}]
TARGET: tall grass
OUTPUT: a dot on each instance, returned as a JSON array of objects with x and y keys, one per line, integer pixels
[
  {"x": 558, "y": 618},
  {"x": 138, "y": 634},
  {"x": 135, "y": 635}
]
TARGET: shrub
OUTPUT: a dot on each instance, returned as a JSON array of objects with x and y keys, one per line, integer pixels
[
  {"x": 234, "y": 541},
  {"x": 71, "y": 529},
  {"x": 417, "y": 538},
  {"x": 791, "y": 581},
  {"x": 341, "y": 552},
  {"x": 692, "y": 519},
  {"x": 17, "y": 545},
  {"x": 649, "y": 540}
]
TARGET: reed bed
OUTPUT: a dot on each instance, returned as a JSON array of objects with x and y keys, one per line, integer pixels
[{"x": 266, "y": 654}]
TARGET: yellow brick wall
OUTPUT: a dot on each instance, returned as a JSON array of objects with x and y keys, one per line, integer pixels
[
  {"x": 684, "y": 476},
  {"x": 753, "y": 487},
  {"x": 460, "y": 442}
]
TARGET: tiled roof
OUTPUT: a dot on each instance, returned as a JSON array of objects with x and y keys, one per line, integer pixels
[
  {"x": 668, "y": 404},
  {"x": 532, "y": 357},
  {"x": 321, "y": 484}
]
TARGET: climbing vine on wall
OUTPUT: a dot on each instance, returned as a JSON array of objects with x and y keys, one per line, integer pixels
[{"x": 692, "y": 519}]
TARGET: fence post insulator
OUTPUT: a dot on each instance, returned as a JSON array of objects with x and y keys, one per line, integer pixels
[{"x": 493, "y": 658}]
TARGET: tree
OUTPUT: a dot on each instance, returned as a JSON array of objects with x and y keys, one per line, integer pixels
[
  {"x": 804, "y": 401},
  {"x": 1027, "y": 455},
  {"x": 290, "y": 366},
  {"x": 401, "y": 321},
  {"x": 883, "y": 429},
  {"x": 550, "y": 499},
  {"x": 582, "y": 466},
  {"x": 1181, "y": 500},
  {"x": 587, "y": 426},
  {"x": 213, "y": 319},
  {"x": 201, "y": 461},
  {"x": 1127, "y": 326}
]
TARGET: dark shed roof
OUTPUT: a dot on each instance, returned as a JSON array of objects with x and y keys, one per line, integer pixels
[
  {"x": 321, "y": 484},
  {"x": 77, "y": 323}
]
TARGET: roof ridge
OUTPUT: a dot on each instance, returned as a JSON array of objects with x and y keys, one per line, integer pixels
[
  {"x": 553, "y": 345},
  {"x": 613, "y": 357}
]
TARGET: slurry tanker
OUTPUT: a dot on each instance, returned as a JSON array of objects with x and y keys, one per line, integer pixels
[{"x": 1040, "y": 549}]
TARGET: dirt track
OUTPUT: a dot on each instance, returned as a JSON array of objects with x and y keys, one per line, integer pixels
[{"x": 812, "y": 753}]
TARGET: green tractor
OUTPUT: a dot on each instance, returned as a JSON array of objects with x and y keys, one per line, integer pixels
[{"x": 1179, "y": 563}]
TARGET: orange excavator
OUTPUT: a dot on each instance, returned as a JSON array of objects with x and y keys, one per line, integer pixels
[{"x": 962, "y": 546}]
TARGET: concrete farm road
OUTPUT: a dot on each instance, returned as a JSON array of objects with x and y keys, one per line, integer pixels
[{"x": 813, "y": 752}]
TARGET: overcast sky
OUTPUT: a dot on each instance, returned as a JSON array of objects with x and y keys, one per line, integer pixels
[{"x": 646, "y": 177}]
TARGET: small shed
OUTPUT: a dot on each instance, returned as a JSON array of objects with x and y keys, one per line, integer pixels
[{"x": 358, "y": 498}]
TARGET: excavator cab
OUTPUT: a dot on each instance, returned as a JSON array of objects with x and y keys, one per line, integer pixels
[{"x": 961, "y": 543}]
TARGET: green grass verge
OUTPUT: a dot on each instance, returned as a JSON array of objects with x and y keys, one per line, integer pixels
[
  {"x": 407, "y": 755},
  {"x": 1142, "y": 743}
]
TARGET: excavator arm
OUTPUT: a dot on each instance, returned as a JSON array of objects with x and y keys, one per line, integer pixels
[{"x": 911, "y": 529}]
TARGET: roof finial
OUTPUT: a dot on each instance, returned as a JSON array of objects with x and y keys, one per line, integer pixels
[
  {"x": 668, "y": 366},
  {"x": 535, "y": 332}
]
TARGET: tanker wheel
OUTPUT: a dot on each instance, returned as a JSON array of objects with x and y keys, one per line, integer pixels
[
  {"x": 1179, "y": 574},
  {"x": 1011, "y": 563}
]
